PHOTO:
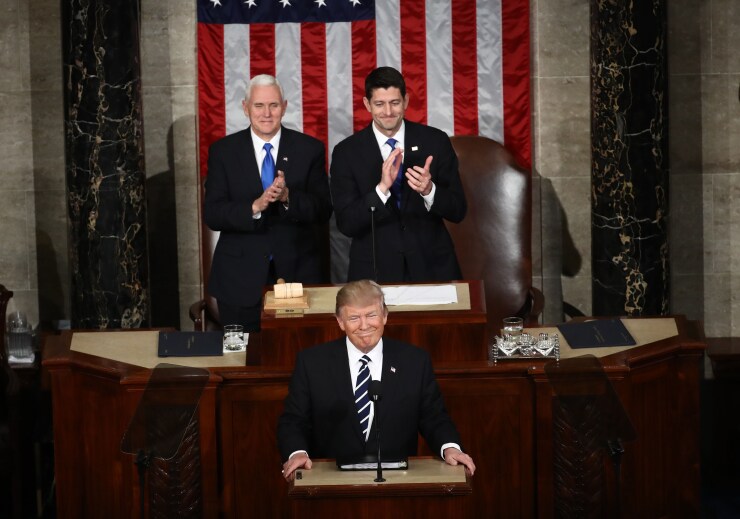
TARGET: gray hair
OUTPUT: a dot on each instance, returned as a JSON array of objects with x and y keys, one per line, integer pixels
[
  {"x": 263, "y": 80},
  {"x": 360, "y": 293}
]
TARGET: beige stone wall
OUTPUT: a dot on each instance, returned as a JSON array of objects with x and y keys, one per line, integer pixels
[{"x": 704, "y": 142}]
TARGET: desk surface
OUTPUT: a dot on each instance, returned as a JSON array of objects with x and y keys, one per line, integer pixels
[{"x": 139, "y": 348}]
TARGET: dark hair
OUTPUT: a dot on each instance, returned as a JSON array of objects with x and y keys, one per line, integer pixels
[{"x": 384, "y": 77}]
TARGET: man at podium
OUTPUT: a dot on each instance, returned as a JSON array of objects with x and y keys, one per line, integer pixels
[{"x": 328, "y": 411}]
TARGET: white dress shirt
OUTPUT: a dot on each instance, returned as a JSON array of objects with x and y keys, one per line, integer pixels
[{"x": 260, "y": 153}]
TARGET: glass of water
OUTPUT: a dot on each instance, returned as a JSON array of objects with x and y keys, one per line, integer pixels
[
  {"x": 513, "y": 326},
  {"x": 234, "y": 337},
  {"x": 19, "y": 336}
]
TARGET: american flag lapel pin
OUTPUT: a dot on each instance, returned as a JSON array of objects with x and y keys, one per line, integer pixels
[
  {"x": 414, "y": 148},
  {"x": 393, "y": 369}
]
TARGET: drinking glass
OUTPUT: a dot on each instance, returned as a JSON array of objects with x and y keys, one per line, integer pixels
[
  {"x": 513, "y": 326},
  {"x": 20, "y": 339},
  {"x": 234, "y": 337}
]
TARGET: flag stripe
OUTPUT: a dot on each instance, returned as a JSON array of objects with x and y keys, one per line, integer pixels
[
  {"x": 211, "y": 107},
  {"x": 515, "y": 73},
  {"x": 413, "y": 57},
  {"x": 490, "y": 86},
  {"x": 236, "y": 73},
  {"x": 465, "y": 67},
  {"x": 363, "y": 61},
  {"x": 262, "y": 49},
  {"x": 339, "y": 83},
  {"x": 288, "y": 67},
  {"x": 440, "y": 113},
  {"x": 313, "y": 58}
]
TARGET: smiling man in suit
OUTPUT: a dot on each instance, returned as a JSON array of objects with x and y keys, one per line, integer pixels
[
  {"x": 402, "y": 178},
  {"x": 328, "y": 413},
  {"x": 268, "y": 195}
]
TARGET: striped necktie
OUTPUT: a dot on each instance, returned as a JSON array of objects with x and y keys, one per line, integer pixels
[{"x": 362, "y": 396}]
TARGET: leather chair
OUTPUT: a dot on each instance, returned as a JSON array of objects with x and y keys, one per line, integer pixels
[{"x": 493, "y": 242}]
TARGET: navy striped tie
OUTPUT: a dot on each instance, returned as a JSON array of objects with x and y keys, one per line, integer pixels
[{"x": 362, "y": 397}]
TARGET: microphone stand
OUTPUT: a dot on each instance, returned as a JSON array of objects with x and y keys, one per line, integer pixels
[{"x": 375, "y": 393}]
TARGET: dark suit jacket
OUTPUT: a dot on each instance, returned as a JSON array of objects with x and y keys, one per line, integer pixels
[
  {"x": 412, "y": 232},
  {"x": 241, "y": 259},
  {"x": 320, "y": 416}
]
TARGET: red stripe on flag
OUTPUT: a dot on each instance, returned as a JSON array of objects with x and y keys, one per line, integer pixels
[
  {"x": 364, "y": 59},
  {"x": 261, "y": 49},
  {"x": 515, "y": 55},
  {"x": 464, "y": 67},
  {"x": 211, "y": 107},
  {"x": 413, "y": 57},
  {"x": 313, "y": 67}
]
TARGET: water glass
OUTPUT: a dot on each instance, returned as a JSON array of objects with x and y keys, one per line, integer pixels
[
  {"x": 513, "y": 326},
  {"x": 20, "y": 338},
  {"x": 234, "y": 338}
]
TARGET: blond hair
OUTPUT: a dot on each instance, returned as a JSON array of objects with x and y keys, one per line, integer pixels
[{"x": 360, "y": 293}]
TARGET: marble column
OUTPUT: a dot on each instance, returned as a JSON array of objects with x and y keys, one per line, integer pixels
[
  {"x": 105, "y": 163},
  {"x": 629, "y": 158}
]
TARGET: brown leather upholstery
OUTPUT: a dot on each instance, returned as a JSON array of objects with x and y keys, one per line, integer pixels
[{"x": 493, "y": 242}]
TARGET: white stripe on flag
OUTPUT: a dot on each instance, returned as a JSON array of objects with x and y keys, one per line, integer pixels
[
  {"x": 440, "y": 106},
  {"x": 339, "y": 81},
  {"x": 288, "y": 71},
  {"x": 388, "y": 33},
  {"x": 236, "y": 75},
  {"x": 490, "y": 70}
]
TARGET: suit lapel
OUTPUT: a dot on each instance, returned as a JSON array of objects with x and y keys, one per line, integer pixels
[
  {"x": 390, "y": 379},
  {"x": 286, "y": 152},
  {"x": 344, "y": 388}
]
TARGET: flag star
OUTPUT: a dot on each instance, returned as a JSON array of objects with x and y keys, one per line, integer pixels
[
  {"x": 285, "y": 3},
  {"x": 320, "y": 3},
  {"x": 354, "y": 2},
  {"x": 250, "y": 3},
  {"x": 216, "y": 3}
]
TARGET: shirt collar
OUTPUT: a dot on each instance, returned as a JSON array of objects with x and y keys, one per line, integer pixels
[
  {"x": 400, "y": 135},
  {"x": 259, "y": 144},
  {"x": 376, "y": 354}
]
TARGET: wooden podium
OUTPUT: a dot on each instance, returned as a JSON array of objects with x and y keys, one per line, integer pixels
[
  {"x": 504, "y": 413},
  {"x": 429, "y": 488}
]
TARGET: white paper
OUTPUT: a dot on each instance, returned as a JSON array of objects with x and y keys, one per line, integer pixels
[{"x": 420, "y": 295}]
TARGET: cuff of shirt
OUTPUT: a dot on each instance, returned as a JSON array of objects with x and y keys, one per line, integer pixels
[
  {"x": 257, "y": 215},
  {"x": 306, "y": 453},
  {"x": 383, "y": 198},
  {"x": 442, "y": 450},
  {"x": 429, "y": 199}
]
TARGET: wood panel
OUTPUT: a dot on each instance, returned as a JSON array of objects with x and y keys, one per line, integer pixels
[{"x": 504, "y": 414}]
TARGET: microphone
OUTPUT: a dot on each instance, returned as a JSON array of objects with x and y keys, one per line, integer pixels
[
  {"x": 372, "y": 233},
  {"x": 376, "y": 393}
]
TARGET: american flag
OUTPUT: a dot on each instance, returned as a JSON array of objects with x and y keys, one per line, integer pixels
[{"x": 466, "y": 64}]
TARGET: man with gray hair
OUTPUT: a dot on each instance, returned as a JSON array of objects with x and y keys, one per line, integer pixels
[
  {"x": 328, "y": 413},
  {"x": 268, "y": 194}
]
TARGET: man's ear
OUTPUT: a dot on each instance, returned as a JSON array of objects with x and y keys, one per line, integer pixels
[{"x": 340, "y": 322}]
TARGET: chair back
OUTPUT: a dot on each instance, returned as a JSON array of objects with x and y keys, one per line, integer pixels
[
  {"x": 493, "y": 242},
  {"x": 208, "y": 240}
]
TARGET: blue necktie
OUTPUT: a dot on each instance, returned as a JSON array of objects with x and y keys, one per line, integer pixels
[
  {"x": 397, "y": 184},
  {"x": 362, "y": 397},
  {"x": 268, "y": 167}
]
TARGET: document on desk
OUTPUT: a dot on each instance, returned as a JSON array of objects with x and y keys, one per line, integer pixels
[{"x": 420, "y": 295}]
